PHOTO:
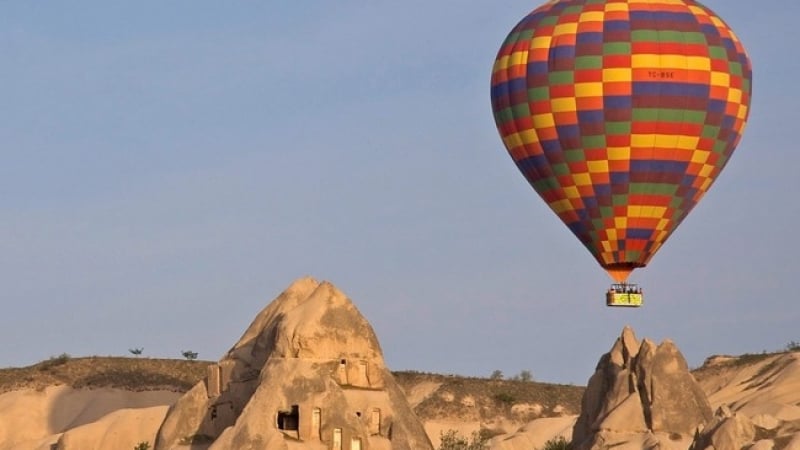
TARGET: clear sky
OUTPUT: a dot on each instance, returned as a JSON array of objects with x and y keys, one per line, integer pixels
[{"x": 167, "y": 168}]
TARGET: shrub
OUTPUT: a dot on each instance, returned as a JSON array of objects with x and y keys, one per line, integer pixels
[
  {"x": 55, "y": 361},
  {"x": 136, "y": 351},
  {"x": 504, "y": 397},
  {"x": 452, "y": 440},
  {"x": 188, "y": 354},
  {"x": 559, "y": 443},
  {"x": 196, "y": 439},
  {"x": 496, "y": 375},
  {"x": 144, "y": 445}
]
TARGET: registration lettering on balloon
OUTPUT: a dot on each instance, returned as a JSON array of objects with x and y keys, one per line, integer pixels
[{"x": 662, "y": 74}]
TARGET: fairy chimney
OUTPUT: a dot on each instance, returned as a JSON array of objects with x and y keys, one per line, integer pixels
[{"x": 309, "y": 371}]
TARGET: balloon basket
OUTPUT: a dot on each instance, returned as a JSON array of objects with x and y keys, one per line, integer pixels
[{"x": 624, "y": 295}]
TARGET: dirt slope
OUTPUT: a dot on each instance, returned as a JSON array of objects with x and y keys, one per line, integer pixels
[{"x": 765, "y": 387}]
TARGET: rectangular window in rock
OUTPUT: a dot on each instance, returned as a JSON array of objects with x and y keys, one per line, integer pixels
[
  {"x": 316, "y": 423},
  {"x": 337, "y": 439},
  {"x": 213, "y": 381},
  {"x": 375, "y": 421},
  {"x": 341, "y": 372}
]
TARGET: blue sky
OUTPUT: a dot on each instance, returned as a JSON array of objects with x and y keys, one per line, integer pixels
[{"x": 170, "y": 167}]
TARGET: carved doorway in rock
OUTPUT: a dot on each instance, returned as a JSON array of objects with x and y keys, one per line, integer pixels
[
  {"x": 289, "y": 421},
  {"x": 316, "y": 423}
]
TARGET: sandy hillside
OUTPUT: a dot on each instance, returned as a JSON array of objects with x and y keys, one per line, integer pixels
[
  {"x": 40, "y": 402},
  {"x": 489, "y": 407},
  {"x": 102, "y": 402},
  {"x": 767, "y": 384},
  {"x": 31, "y": 418}
]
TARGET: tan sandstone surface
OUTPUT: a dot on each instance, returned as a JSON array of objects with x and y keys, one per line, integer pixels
[
  {"x": 33, "y": 419},
  {"x": 757, "y": 400},
  {"x": 641, "y": 395},
  {"x": 308, "y": 373},
  {"x": 768, "y": 385}
]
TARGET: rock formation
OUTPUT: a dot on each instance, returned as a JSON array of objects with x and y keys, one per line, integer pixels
[
  {"x": 308, "y": 373},
  {"x": 734, "y": 430},
  {"x": 640, "y": 396},
  {"x": 756, "y": 397},
  {"x": 767, "y": 385},
  {"x": 122, "y": 429},
  {"x": 35, "y": 419},
  {"x": 728, "y": 431}
]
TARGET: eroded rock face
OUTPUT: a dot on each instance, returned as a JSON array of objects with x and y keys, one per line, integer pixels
[
  {"x": 308, "y": 371},
  {"x": 640, "y": 389},
  {"x": 728, "y": 431},
  {"x": 123, "y": 429}
]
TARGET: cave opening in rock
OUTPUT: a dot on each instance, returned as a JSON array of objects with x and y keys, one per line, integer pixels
[{"x": 289, "y": 420}]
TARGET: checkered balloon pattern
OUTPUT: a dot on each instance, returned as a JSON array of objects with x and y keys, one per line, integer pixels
[{"x": 621, "y": 114}]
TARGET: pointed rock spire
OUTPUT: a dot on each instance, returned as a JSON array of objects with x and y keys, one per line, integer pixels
[
  {"x": 309, "y": 370},
  {"x": 640, "y": 388}
]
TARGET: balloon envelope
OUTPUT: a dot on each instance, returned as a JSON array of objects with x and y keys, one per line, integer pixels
[{"x": 621, "y": 114}]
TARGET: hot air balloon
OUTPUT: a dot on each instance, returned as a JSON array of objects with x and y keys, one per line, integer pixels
[{"x": 621, "y": 114}]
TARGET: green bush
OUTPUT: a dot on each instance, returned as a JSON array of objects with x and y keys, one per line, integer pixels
[
  {"x": 559, "y": 443},
  {"x": 196, "y": 439},
  {"x": 144, "y": 445},
  {"x": 55, "y": 361},
  {"x": 453, "y": 440},
  {"x": 504, "y": 398}
]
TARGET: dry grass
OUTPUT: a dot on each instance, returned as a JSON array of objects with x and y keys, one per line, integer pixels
[
  {"x": 731, "y": 365},
  {"x": 480, "y": 398},
  {"x": 135, "y": 374}
]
